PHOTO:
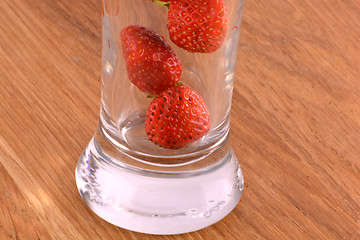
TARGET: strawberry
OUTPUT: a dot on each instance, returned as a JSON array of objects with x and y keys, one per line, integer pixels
[
  {"x": 197, "y": 25},
  {"x": 177, "y": 117},
  {"x": 151, "y": 64}
]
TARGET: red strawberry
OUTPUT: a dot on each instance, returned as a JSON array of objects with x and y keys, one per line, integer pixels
[
  {"x": 197, "y": 25},
  {"x": 177, "y": 117},
  {"x": 150, "y": 62}
]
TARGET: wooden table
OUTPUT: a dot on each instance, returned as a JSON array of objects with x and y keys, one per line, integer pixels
[{"x": 295, "y": 121}]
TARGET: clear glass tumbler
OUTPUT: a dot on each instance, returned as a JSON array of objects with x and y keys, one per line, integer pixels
[{"x": 160, "y": 161}]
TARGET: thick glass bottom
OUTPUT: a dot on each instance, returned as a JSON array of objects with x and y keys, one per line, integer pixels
[{"x": 161, "y": 198}]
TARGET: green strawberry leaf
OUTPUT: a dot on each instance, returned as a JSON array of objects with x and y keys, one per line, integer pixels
[{"x": 161, "y": 3}]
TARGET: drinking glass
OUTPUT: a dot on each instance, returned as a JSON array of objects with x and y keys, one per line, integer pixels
[{"x": 129, "y": 179}]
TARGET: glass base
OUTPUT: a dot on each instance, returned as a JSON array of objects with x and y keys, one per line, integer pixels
[{"x": 155, "y": 198}]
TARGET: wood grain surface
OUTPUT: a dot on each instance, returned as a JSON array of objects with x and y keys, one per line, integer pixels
[{"x": 295, "y": 121}]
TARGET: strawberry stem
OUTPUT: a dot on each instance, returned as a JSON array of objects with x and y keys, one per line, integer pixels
[
  {"x": 161, "y": 3},
  {"x": 152, "y": 96}
]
